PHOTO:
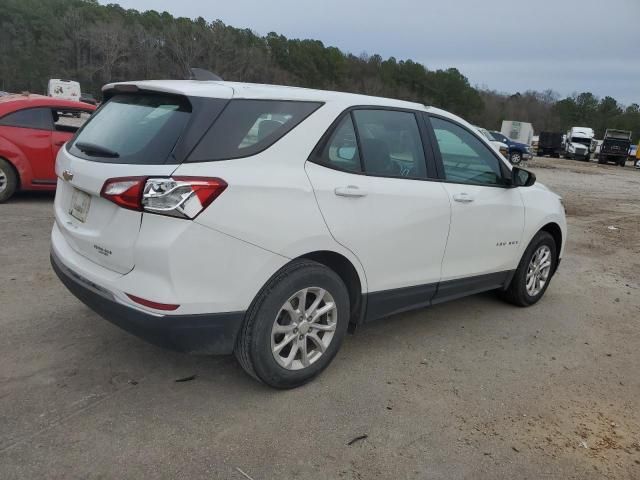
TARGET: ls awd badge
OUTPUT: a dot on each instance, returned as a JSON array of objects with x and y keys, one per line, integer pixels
[{"x": 67, "y": 175}]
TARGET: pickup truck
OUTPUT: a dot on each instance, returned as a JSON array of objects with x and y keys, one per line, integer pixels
[
  {"x": 517, "y": 151},
  {"x": 615, "y": 147}
]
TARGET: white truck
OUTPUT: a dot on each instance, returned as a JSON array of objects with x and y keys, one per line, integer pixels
[
  {"x": 580, "y": 143},
  {"x": 521, "y": 132},
  {"x": 65, "y": 89}
]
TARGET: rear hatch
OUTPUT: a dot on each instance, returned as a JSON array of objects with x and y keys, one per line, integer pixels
[{"x": 135, "y": 133}]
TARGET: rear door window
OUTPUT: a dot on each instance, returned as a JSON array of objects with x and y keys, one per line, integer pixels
[
  {"x": 68, "y": 120},
  {"x": 390, "y": 143},
  {"x": 247, "y": 127},
  {"x": 134, "y": 129},
  {"x": 38, "y": 118}
]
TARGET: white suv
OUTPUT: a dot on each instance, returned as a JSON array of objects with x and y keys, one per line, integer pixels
[{"x": 217, "y": 217}]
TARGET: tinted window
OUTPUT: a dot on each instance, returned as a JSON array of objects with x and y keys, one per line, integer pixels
[
  {"x": 391, "y": 143},
  {"x": 140, "y": 128},
  {"x": 465, "y": 157},
  {"x": 39, "y": 118},
  {"x": 341, "y": 151},
  {"x": 247, "y": 127}
]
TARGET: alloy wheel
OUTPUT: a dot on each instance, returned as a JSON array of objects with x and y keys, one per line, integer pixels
[
  {"x": 3, "y": 180},
  {"x": 538, "y": 270},
  {"x": 304, "y": 328}
]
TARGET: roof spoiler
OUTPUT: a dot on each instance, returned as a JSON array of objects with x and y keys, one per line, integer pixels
[{"x": 203, "y": 75}]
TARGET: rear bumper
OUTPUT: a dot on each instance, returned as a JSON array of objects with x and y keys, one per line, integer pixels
[{"x": 209, "y": 334}]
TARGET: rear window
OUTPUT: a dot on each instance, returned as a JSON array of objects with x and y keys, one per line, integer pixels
[
  {"x": 247, "y": 127},
  {"x": 134, "y": 129}
]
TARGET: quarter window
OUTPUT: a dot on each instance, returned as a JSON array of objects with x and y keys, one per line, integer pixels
[
  {"x": 391, "y": 143},
  {"x": 247, "y": 127},
  {"x": 38, "y": 118},
  {"x": 466, "y": 159}
]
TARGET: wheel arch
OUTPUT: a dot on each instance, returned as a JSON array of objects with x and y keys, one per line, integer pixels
[
  {"x": 15, "y": 169},
  {"x": 15, "y": 157},
  {"x": 347, "y": 271},
  {"x": 555, "y": 231}
]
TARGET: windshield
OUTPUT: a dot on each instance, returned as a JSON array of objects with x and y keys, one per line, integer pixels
[
  {"x": 583, "y": 141},
  {"x": 134, "y": 129},
  {"x": 485, "y": 134}
]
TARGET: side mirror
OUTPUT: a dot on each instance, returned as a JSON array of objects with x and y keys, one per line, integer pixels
[{"x": 522, "y": 178}]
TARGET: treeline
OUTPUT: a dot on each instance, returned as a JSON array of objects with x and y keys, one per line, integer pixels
[{"x": 95, "y": 44}]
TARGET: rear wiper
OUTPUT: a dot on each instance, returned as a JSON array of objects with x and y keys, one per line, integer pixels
[{"x": 96, "y": 150}]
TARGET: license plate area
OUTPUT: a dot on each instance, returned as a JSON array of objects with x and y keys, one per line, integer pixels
[{"x": 80, "y": 203}]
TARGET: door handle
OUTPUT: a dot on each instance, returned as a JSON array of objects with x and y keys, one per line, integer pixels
[
  {"x": 350, "y": 191},
  {"x": 463, "y": 198}
]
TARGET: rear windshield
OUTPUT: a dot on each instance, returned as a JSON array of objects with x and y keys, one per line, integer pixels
[
  {"x": 247, "y": 127},
  {"x": 133, "y": 129}
]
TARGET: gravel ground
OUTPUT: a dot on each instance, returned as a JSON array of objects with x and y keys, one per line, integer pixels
[{"x": 470, "y": 389}]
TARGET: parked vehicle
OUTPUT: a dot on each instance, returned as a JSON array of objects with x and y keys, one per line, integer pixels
[
  {"x": 177, "y": 223},
  {"x": 550, "y": 143},
  {"x": 633, "y": 153},
  {"x": 32, "y": 130},
  {"x": 615, "y": 147},
  {"x": 88, "y": 98},
  {"x": 521, "y": 132},
  {"x": 579, "y": 143},
  {"x": 534, "y": 143},
  {"x": 503, "y": 148},
  {"x": 4, "y": 94},
  {"x": 64, "y": 89},
  {"x": 517, "y": 151}
]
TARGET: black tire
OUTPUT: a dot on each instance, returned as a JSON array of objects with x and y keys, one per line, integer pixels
[
  {"x": 516, "y": 293},
  {"x": 253, "y": 347},
  {"x": 8, "y": 180},
  {"x": 602, "y": 160},
  {"x": 556, "y": 155},
  {"x": 515, "y": 158},
  {"x": 622, "y": 162}
]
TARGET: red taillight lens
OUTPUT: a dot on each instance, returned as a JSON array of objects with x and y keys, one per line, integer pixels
[
  {"x": 152, "y": 304},
  {"x": 182, "y": 197},
  {"x": 125, "y": 192}
]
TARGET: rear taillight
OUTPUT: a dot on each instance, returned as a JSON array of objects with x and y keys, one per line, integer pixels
[
  {"x": 125, "y": 192},
  {"x": 182, "y": 197}
]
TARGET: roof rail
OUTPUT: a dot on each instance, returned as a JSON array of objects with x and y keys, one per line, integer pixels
[{"x": 203, "y": 75}]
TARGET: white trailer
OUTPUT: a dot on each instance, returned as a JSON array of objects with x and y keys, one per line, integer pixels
[{"x": 517, "y": 131}]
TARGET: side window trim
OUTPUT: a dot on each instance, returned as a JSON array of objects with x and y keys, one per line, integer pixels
[
  {"x": 440, "y": 165},
  {"x": 358, "y": 142},
  {"x": 429, "y": 157},
  {"x": 434, "y": 161}
]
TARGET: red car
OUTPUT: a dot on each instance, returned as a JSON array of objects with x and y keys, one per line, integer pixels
[{"x": 32, "y": 130}]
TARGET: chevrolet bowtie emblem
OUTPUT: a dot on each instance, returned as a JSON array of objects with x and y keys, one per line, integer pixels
[{"x": 67, "y": 175}]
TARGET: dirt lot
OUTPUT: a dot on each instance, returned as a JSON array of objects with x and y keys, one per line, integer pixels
[{"x": 471, "y": 389}]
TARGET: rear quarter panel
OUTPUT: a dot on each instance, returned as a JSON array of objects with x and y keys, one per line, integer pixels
[{"x": 270, "y": 201}]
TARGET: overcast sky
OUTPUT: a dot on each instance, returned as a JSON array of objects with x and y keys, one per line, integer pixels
[{"x": 506, "y": 45}]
